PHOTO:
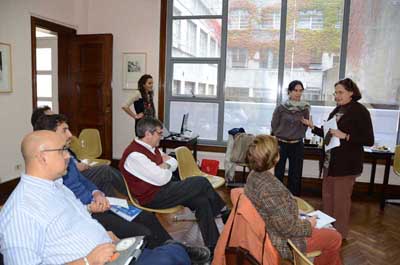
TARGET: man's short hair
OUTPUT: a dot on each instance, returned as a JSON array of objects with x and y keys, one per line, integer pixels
[
  {"x": 49, "y": 122},
  {"x": 37, "y": 113},
  {"x": 147, "y": 124}
]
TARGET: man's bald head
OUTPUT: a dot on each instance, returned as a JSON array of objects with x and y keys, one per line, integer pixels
[{"x": 37, "y": 142}]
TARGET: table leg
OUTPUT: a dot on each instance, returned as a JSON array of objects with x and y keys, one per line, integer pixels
[
  {"x": 372, "y": 179},
  {"x": 385, "y": 181}
]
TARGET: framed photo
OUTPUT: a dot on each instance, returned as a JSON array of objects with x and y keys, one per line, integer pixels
[
  {"x": 134, "y": 66},
  {"x": 5, "y": 68}
]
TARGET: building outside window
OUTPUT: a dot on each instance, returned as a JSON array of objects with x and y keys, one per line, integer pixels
[{"x": 246, "y": 72}]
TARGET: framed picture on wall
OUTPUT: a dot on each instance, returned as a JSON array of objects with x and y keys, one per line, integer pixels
[
  {"x": 5, "y": 68},
  {"x": 134, "y": 66}
]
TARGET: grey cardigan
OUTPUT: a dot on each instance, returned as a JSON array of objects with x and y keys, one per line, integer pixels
[{"x": 286, "y": 124}]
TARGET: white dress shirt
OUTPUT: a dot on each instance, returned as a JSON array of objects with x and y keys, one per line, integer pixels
[{"x": 143, "y": 168}]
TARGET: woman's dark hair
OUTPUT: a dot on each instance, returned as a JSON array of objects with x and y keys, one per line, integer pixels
[
  {"x": 142, "y": 81},
  {"x": 350, "y": 86},
  {"x": 293, "y": 85}
]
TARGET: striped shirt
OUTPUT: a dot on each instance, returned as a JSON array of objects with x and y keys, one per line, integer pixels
[{"x": 43, "y": 222}]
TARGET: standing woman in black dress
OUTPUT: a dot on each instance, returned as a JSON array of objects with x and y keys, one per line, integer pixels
[{"x": 142, "y": 100}]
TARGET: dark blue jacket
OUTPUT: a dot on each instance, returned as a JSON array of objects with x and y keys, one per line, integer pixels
[{"x": 80, "y": 186}]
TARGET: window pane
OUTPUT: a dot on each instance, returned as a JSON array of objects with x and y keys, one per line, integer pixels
[
  {"x": 313, "y": 47},
  {"x": 198, "y": 7},
  {"x": 43, "y": 59},
  {"x": 373, "y": 63},
  {"x": 196, "y": 37},
  {"x": 44, "y": 87},
  {"x": 41, "y": 103},
  {"x": 203, "y": 118},
  {"x": 191, "y": 79},
  {"x": 255, "y": 118},
  {"x": 251, "y": 66}
]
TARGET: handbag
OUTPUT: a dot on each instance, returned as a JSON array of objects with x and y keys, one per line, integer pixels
[
  {"x": 210, "y": 166},
  {"x": 238, "y": 255}
]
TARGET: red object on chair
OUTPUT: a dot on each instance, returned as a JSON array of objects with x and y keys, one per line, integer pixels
[{"x": 210, "y": 166}]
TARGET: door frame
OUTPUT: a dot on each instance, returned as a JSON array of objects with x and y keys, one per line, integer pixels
[{"x": 64, "y": 37}]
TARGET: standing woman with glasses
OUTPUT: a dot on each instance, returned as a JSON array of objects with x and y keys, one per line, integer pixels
[
  {"x": 141, "y": 100},
  {"x": 343, "y": 164},
  {"x": 288, "y": 128}
]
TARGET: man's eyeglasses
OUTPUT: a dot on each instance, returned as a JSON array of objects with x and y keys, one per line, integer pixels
[
  {"x": 60, "y": 150},
  {"x": 160, "y": 133}
]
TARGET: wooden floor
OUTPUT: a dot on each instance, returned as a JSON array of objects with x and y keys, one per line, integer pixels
[{"x": 374, "y": 237}]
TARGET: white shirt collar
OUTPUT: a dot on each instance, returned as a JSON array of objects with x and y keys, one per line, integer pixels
[{"x": 146, "y": 145}]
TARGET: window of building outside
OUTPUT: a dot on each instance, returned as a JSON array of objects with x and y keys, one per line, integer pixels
[
  {"x": 238, "y": 19},
  {"x": 245, "y": 72}
]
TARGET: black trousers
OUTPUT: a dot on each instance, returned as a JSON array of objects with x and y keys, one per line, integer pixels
[
  {"x": 107, "y": 179},
  {"x": 295, "y": 154},
  {"x": 197, "y": 194},
  {"x": 145, "y": 224}
]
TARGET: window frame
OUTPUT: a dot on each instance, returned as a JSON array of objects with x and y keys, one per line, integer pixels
[{"x": 166, "y": 96}]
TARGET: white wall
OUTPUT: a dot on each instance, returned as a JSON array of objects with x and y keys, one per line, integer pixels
[
  {"x": 16, "y": 107},
  {"x": 135, "y": 30}
]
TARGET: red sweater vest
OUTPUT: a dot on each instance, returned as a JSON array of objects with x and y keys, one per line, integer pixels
[{"x": 143, "y": 191}]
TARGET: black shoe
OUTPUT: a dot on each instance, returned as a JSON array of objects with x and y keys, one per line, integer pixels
[{"x": 197, "y": 255}]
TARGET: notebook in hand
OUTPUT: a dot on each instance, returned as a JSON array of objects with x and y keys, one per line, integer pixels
[
  {"x": 129, "y": 250},
  {"x": 127, "y": 213},
  {"x": 322, "y": 218}
]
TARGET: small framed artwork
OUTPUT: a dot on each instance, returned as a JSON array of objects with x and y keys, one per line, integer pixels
[
  {"x": 134, "y": 66},
  {"x": 5, "y": 68}
]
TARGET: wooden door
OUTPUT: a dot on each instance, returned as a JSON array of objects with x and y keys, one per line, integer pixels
[{"x": 91, "y": 93}]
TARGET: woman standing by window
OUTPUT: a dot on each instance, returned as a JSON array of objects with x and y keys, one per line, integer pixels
[
  {"x": 141, "y": 100},
  {"x": 286, "y": 125},
  {"x": 343, "y": 164}
]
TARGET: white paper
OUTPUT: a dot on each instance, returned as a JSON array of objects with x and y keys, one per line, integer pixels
[
  {"x": 118, "y": 202},
  {"x": 322, "y": 218},
  {"x": 335, "y": 141}
]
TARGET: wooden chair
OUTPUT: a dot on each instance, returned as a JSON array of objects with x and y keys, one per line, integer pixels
[
  {"x": 135, "y": 203},
  {"x": 188, "y": 168},
  {"x": 299, "y": 258}
]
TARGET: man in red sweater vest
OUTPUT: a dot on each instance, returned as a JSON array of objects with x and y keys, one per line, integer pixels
[{"x": 148, "y": 173}]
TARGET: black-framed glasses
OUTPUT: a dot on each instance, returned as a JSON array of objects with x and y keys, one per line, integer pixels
[
  {"x": 60, "y": 150},
  {"x": 160, "y": 133}
]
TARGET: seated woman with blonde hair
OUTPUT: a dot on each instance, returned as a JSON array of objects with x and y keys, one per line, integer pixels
[{"x": 279, "y": 210}]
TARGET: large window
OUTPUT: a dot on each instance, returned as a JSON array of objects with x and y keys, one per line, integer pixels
[{"x": 233, "y": 68}]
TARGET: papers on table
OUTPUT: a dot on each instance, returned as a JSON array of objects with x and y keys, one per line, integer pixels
[
  {"x": 322, "y": 218},
  {"x": 118, "y": 202},
  {"x": 335, "y": 141}
]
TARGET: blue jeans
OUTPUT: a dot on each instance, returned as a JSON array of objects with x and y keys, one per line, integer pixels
[{"x": 171, "y": 254}]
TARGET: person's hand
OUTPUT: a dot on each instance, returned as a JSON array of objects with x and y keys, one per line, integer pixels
[
  {"x": 139, "y": 116},
  {"x": 165, "y": 158},
  {"x": 308, "y": 122},
  {"x": 101, "y": 200},
  {"x": 338, "y": 133},
  {"x": 82, "y": 166},
  {"x": 101, "y": 254},
  {"x": 113, "y": 237},
  {"x": 312, "y": 220}
]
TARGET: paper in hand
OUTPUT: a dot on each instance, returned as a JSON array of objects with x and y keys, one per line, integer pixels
[{"x": 333, "y": 140}]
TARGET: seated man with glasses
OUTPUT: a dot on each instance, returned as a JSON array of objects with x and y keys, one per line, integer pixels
[
  {"x": 42, "y": 222},
  {"x": 148, "y": 173}
]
